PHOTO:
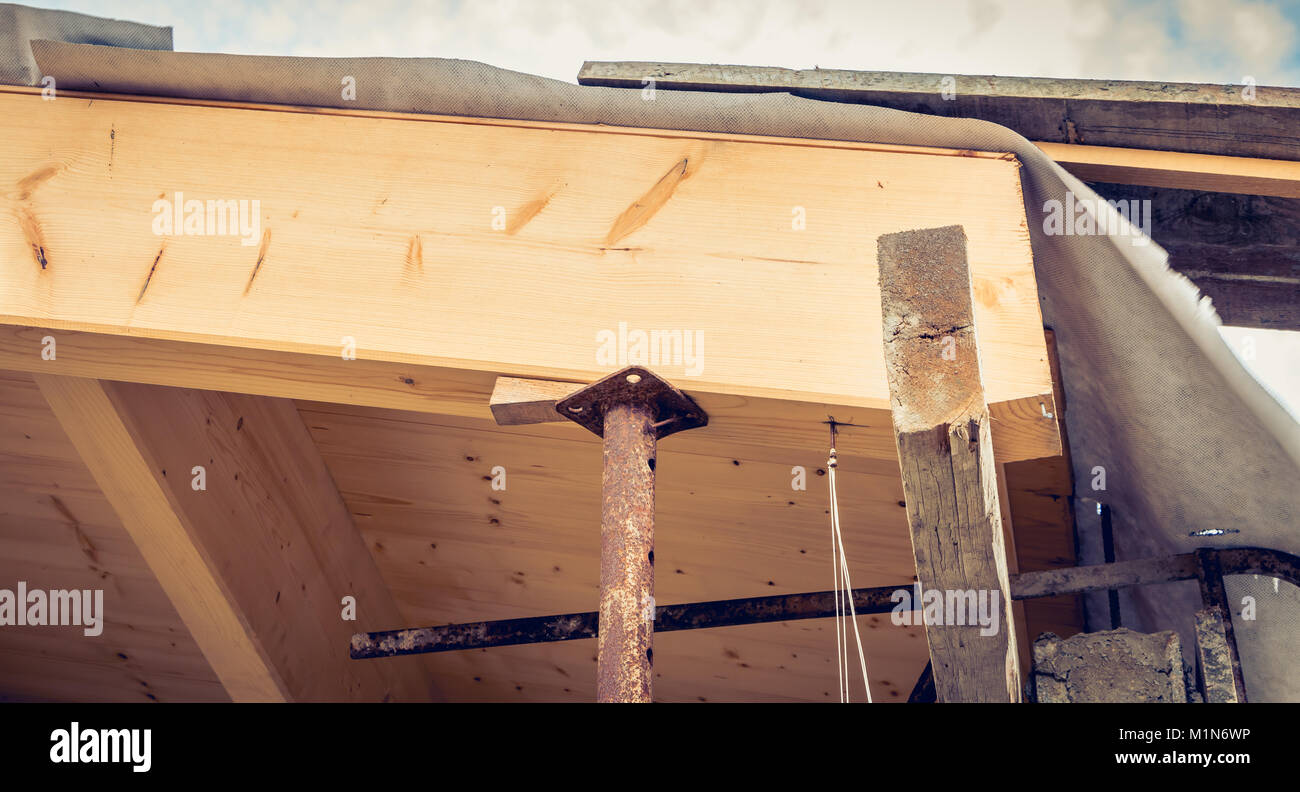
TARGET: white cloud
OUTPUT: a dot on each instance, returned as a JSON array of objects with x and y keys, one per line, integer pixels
[{"x": 1215, "y": 41}]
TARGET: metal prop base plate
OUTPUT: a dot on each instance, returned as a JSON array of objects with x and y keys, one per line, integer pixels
[{"x": 674, "y": 410}]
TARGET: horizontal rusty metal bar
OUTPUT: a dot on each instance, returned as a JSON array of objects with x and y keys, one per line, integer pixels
[
  {"x": 1260, "y": 561},
  {"x": 1099, "y": 577},
  {"x": 1123, "y": 574},
  {"x": 576, "y": 626},
  {"x": 816, "y": 605},
  {"x": 475, "y": 635}
]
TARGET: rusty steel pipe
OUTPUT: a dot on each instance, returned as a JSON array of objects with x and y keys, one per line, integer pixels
[
  {"x": 624, "y": 642},
  {"x": 630, "y": 409},
  {"x": 579, "y": 626}
]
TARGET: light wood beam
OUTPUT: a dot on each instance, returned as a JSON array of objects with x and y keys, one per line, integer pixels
[
  {"x": 1040, "y": 493},
  {"x": 1175, "y": 169},
  {"x": 737, "y": 424},
  {"x": 258, "y": 555},
  {"x": 495, "y": 248},
  {"x": 950, "y": 479},
  {"x": 518, "y": 401}
]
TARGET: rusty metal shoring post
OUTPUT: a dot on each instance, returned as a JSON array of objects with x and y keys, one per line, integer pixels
[
  {"x": 631, "y": 409},
  {"x": 624, "y": 644}
]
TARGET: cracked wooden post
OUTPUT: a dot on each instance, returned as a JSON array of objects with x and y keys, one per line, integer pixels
[{"x": 945, "y": 453}]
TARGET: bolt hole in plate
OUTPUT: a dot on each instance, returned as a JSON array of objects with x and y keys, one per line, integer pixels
[{"x": 673, "y": 410}]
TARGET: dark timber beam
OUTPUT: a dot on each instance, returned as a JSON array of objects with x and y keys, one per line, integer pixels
[
  {"x": 1241, "y": 250},
  {"x": 942, "y": 429},
  {"x": 1233, "y": 120}
]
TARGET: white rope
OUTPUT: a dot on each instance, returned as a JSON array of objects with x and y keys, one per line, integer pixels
[
  {"x": 841, "y": 575},
  {"x": 840, "y": 674}
]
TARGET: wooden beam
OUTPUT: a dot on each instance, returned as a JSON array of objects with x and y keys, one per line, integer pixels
[
  {"x": 1019, "y": 613},
  {"x": 950, "y": 480},
  {"x": 1206, "y": 172},
  {"x": 738, "y": 425},
  {"x": 1145, "y": 139},
  {"x": 1198, "y": 118},
  {"x": 1198, "y": 139},
  {"x": 351, "y": 247},
  {"x": 1040, "y": 493},
  {"x": 1241, "y": 250},
  {"x": 291, "y": 375},
  {"x": 58, "y": 531},
  {"x": 518, "y": 401},
  {"x": 258, "y": 555}
]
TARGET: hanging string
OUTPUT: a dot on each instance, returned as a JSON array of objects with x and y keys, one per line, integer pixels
[
  {"x": 843, "y": 590},
  {"x": 840, "y": 669}
]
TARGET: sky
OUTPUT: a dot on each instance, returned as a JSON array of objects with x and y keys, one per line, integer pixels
[
  {"x": 1212, "y": 41},
  {"x": 1209, "y": 41}
]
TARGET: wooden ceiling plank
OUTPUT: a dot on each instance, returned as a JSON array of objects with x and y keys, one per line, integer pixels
[
  {"x": 57, "y": 531},
  {"x": 257, "y": 561}
]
